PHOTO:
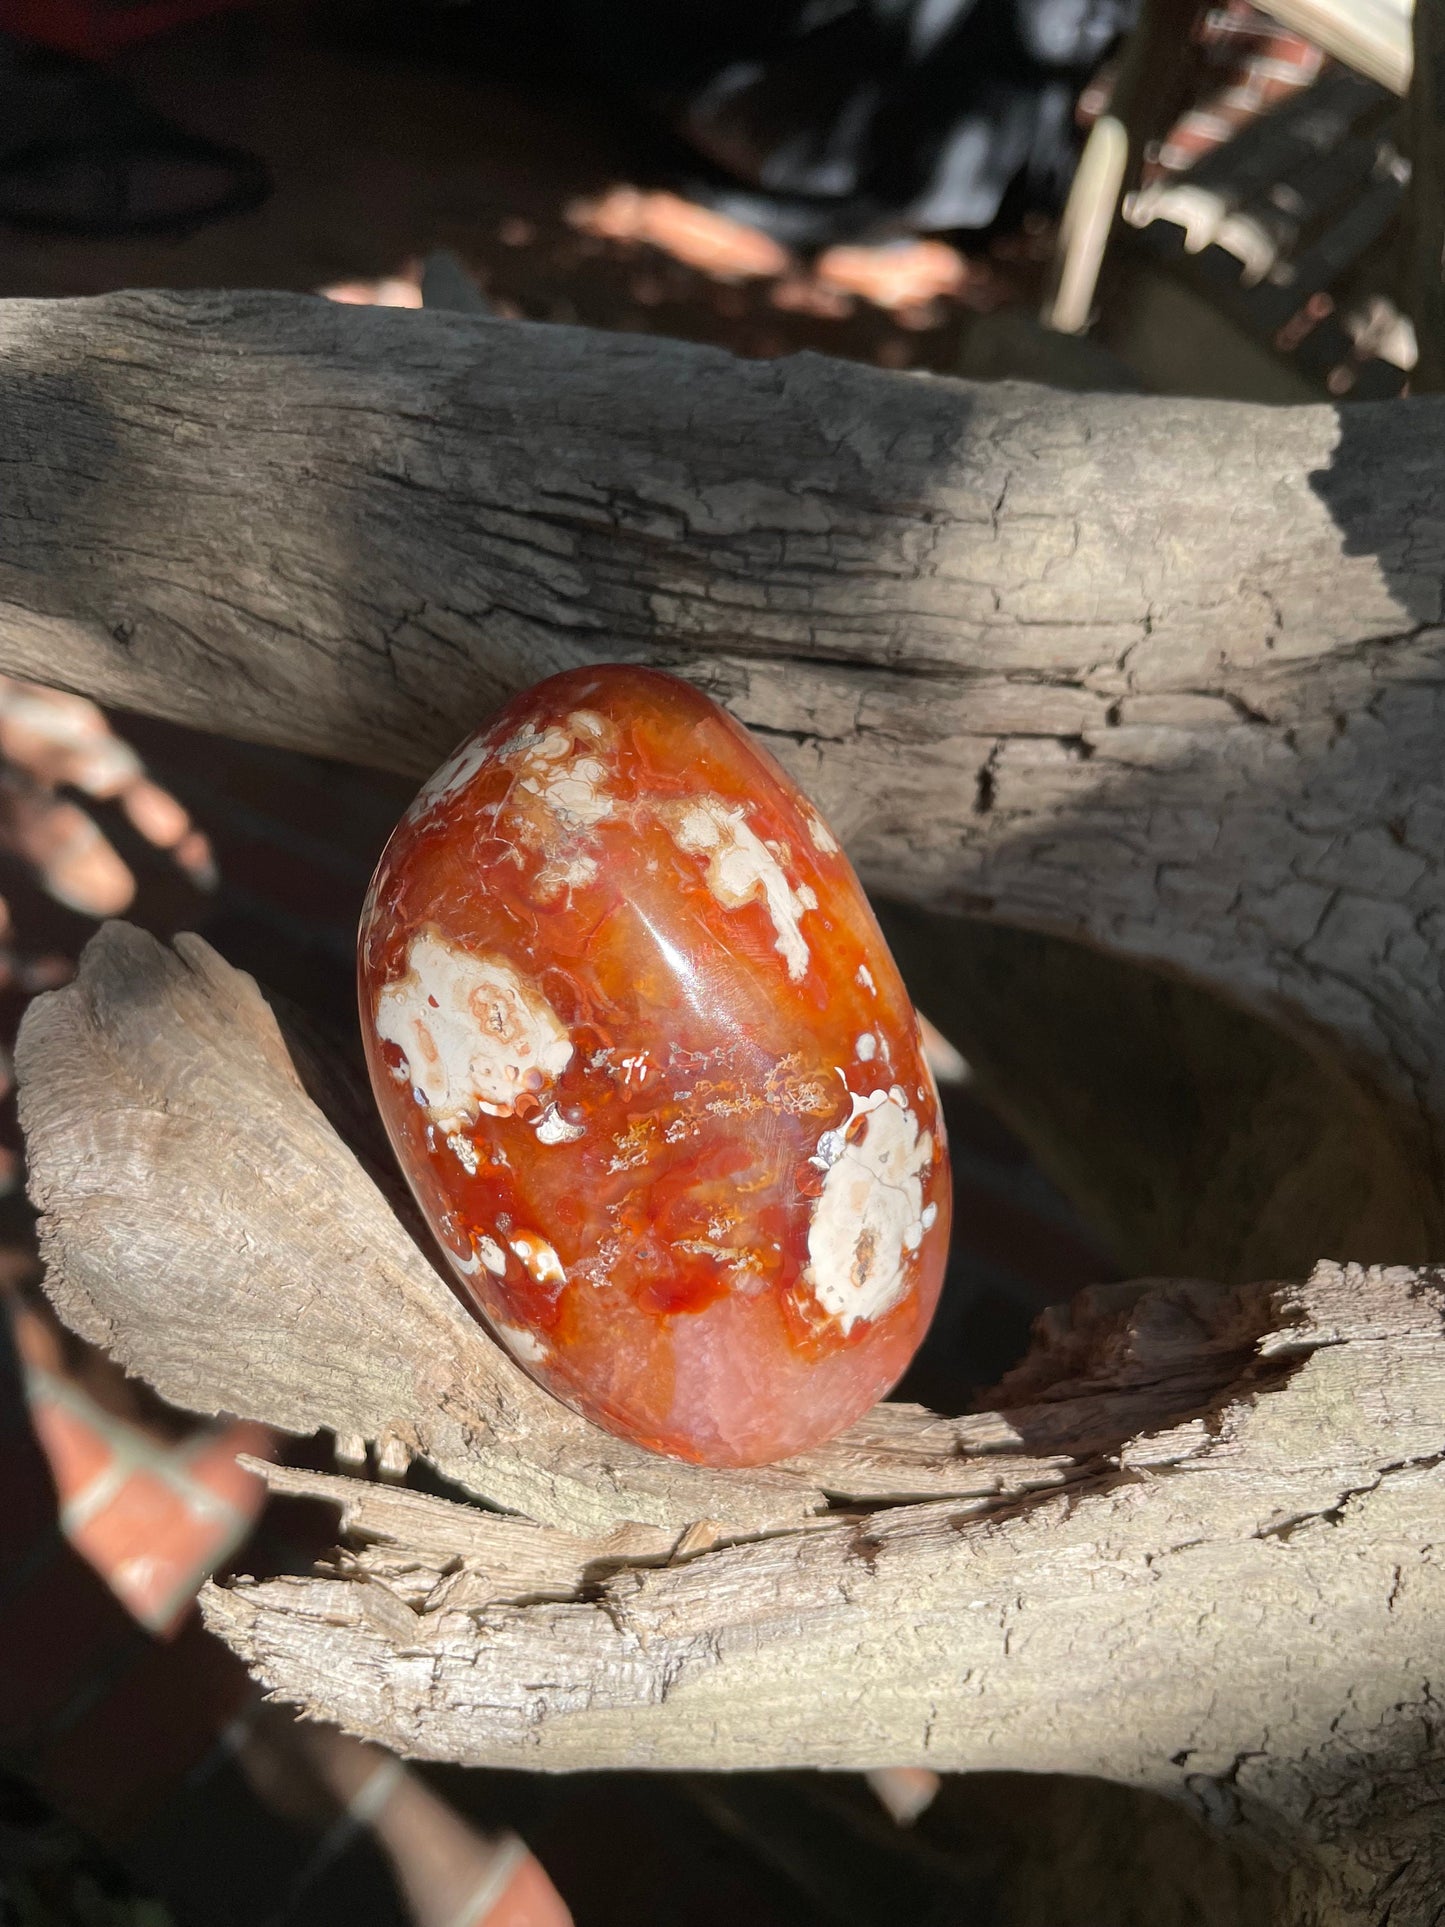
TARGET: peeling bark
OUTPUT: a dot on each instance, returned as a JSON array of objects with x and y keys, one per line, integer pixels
[
  {"x": 188, "y": 1185},
  {"x": 1193, "y": 1547},
  {"x": 1221, "y": 1609}
]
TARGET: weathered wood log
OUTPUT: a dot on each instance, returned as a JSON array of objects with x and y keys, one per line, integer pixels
[
  {"x": 1193, "y": 1549},
  {"x": 1161, "y": 678},
  {"x": 1158, "y": 676},
  {"x": 164, "y": 1120}
]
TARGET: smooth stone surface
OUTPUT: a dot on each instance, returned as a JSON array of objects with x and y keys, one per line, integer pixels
[{"x": 652, "y": 1073}]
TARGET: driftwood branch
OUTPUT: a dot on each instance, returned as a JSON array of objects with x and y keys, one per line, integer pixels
[
  {"x": 1160, "y": 675},
  {"x": 1193, "y": 1548},
  {"x": 202, "y": 1221}
]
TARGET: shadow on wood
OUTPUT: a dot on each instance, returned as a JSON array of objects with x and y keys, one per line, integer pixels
[
  {"x": 1190, "y": 1550},
  {"x": 1156, "y": 678}
]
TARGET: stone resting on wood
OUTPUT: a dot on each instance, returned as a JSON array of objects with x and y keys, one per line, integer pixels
[{"x": 1160, "y": 678}]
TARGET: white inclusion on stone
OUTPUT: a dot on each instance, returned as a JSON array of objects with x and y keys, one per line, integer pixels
[
  {"x": 492, "y": 1256},
  {"x": 560, "y": 795},
  {"x": 476, "y": 1035},
  {"x": 708, "y": 1248},
  {"x": 865, "y": 977},
  {"x": 453, "y": 776},
  {"x": 539, "y": 1258},
  {"x": 823, "y": 837},
  {"x": 866, "y": 1047},
  {"x": 521, "y": 1344},
  {"x": 871, "y": 1215},
  {"x": 553, "y": 1128},
  {"x": 575, "y": 874},
  {"x": 465, "y": 1151},
  {"x": 568, "y": 784},
  {"x": 741, "y": 868},
  {"x": 567, "y": 780}
]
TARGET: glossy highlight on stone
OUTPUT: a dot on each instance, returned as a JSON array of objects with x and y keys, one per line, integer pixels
[{"x": 652, "y": 1073}]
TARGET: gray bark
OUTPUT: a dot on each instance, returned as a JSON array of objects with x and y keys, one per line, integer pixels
[
  {"x": 1157, "y": 677},
  {"x": 1151, "y": 675},
  {"x": 1192, "y": 1549}
]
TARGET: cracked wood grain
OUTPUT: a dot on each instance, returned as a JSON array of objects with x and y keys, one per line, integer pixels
[
  {"x": 1193, "y": 1547},
  {"x": 1159, "y": 675},
  {"x": 1163, "y": 677},
  {"x": 1238, "y": 1607},
  {"x": 187, "y": 1183}
]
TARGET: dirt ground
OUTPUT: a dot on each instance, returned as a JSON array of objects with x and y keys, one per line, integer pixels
[{"x": 384, "y": 146}]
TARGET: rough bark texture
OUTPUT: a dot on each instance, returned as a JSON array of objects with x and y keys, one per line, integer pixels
[
  {"x": 1216, "y": 1610},
  {"x": 1159, "y": 677},
  {"x": 1194, "y": 1548},
  {"x": 189, "y": 1186}
]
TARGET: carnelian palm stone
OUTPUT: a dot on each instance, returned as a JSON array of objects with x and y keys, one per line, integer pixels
[{"x": 652, "y": 1073}]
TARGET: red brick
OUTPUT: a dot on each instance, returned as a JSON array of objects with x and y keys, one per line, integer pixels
[
  {"x": 36, "y": 1339},
  {"x": 77, "y": 1450},
  {"x": 528, "y": 1900},
  {"x": 211, "y": 1462},
  {"x": 153, "y": 1548}
]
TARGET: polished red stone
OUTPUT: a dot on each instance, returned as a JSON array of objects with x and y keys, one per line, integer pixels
[{"x": 652, "y": 1072}]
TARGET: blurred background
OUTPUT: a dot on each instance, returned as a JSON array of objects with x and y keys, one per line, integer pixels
[{"x": 1172, "y": 199}]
